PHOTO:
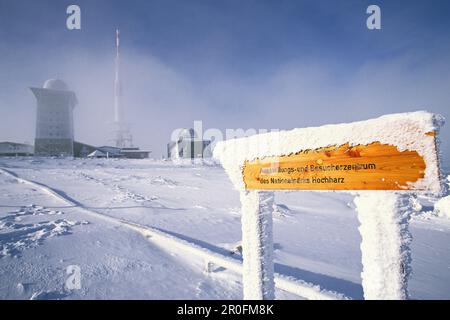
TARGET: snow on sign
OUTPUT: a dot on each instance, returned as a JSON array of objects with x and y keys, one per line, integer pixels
[
  {"x": 363, "y": 167},
  {"x": 393, "y": 152},
  {"x": 382, "y": 161}
]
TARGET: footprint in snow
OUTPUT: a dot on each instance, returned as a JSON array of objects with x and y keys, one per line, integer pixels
[{"x": 16, "y": 236}]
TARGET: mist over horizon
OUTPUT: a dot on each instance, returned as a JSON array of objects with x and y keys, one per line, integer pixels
[{"x": 231, "y": 65}]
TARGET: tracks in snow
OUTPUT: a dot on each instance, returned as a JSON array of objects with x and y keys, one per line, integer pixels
[{"x": 169, "y": 242}]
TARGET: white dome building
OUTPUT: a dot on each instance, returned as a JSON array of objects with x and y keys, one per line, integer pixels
[{"x": 188, "y": 146}]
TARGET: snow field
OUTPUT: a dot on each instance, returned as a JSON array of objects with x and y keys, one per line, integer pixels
[{"x": 316, "y": 237}]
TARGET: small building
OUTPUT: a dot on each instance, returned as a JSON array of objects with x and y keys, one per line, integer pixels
[
  {"x": 114, "y": 152},
  {"x": 189, "y": 146},
  {"x": 54, "y": 120},
  {"x": 135, "y": 153},
  {"x": 13, "y": 149},
  {"x": 111, "y": 152}
]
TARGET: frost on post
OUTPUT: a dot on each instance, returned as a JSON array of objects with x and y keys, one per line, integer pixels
[
  {"x": 257, "y": 245},
  {"x": 386, "y": 256},
  {"x": 390, "y": 156}
]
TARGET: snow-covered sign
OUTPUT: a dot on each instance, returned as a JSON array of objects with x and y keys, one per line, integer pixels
[
  {"x": 363, "y": 167},
  {"x": 393, "y": 152},
  {"x": 381, "y": 160}
]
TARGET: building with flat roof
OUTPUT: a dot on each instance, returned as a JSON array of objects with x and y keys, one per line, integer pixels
[
  {"x": 13, "y": 149},
  {"x": 54, "y": 119}
]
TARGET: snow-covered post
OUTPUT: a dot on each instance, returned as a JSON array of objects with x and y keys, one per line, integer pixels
[
  {"x": 386, "y": 255},
  {"x": 383, "y": 159},
  {"x": 257, "y": 245}
]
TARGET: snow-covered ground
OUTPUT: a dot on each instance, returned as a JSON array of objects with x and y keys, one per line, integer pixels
[{"x": 58, "y": 222}]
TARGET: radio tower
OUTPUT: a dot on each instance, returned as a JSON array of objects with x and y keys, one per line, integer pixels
[{"x": 123, "y": 137}]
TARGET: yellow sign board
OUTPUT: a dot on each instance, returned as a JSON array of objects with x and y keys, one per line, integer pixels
[{"x": 364, "y": 167}]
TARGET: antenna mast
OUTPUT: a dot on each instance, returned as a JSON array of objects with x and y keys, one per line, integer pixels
[
  {"x": 117, "y": 84},
  {"x": 123, "y": 137}
]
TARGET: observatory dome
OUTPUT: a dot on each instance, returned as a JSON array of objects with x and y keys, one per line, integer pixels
[{"x": 55, "y": 84}]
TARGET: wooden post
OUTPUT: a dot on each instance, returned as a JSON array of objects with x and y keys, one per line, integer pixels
[
  {"x": 257, "y": 245},
  {"x": 386, "y": 255}
]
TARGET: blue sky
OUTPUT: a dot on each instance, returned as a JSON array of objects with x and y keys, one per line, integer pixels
[{"x": 233, "y": 64}]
